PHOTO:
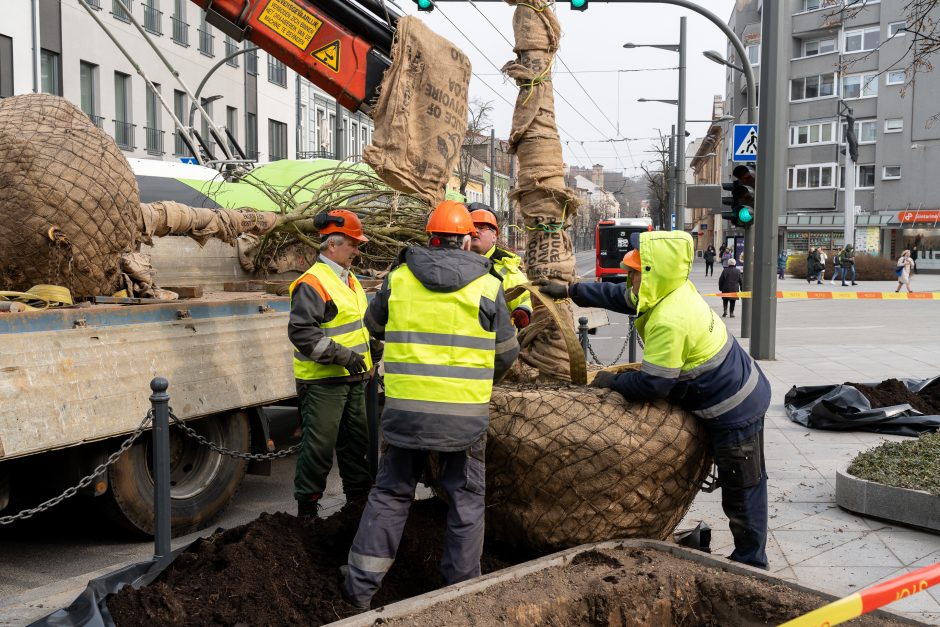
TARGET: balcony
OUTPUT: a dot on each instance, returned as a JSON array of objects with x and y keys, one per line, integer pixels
[
  {"x": 94, "y": 4},
  {"x": 315, "y": 154},
  {"x": 119, "y": 13},
  {"x": 153, "y": 19},
  {"x": 206, "y": 43},
  {"x": 154, "y": 140},
  {"x": 124, "y": 134},
  {"x": 97, "y": 120},
  {"x": 180, "y": 31},
  {"x": 179, "y": 146}
]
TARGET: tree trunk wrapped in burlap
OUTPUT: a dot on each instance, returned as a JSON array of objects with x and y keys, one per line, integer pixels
[
  {"x": 69, "y": 206},
  {"x": 567, "y": 465}
]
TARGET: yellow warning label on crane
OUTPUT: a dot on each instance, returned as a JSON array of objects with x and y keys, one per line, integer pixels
[
  {"x": 291, "y": 21},
  {"x": 328, "y": 55}
]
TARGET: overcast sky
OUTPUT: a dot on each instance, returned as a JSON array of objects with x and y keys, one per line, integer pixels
[{"x": 593, "y": 40}]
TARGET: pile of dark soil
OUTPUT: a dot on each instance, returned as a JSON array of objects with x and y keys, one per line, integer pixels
[
  {"x": 631, "y": 587},
  {"x": 893, "y": 392},
  {"x": 279, "y": 570}
]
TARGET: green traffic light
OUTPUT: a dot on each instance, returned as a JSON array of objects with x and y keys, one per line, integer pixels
[
  {"x": 424, "y": 5},
  {"x": 578, "y": 5},
  {"x": 745, "y": 216}
]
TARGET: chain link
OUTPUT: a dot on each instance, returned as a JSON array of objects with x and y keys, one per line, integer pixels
[
  {"x": 86, "y": 481},
  {"x": 230, "y": 452},
  {"x": 623, "y": 348}
]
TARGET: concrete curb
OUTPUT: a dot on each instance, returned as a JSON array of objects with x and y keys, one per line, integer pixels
[{"x": 909, "y": 507}]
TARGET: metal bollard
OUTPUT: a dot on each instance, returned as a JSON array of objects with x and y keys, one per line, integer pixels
[
  {"x": 583, "y": 334},
  {"x": 372, "y": 419},
  {"x": 632, "y": 350},
  {"x": 160, "y": 402}
]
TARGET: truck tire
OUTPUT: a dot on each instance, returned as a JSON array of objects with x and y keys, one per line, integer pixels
[{"x": 202, "y": 482}]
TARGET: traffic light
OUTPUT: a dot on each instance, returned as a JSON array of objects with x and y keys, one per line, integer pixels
[
  {"x": 579, "y": 5},
  {"x": 425, "y": 5},
  {"x": 740, "y": 203}
]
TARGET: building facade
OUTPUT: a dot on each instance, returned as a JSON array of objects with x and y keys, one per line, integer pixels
[{"x": 856, "y": 55}]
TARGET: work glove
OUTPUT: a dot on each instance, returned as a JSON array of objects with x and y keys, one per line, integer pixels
[
  {"x": 603, "y": 379},
  {"x": 558, "y": 291},
  {"x": 354, "y": 363},
  {"x": 520, "y": 318},
  {"x": 376, "y": 349}
]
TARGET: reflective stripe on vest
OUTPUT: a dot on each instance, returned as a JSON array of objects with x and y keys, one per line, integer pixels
[
  {"x": 436, "y": 351},
  {"x": 346, "y": 329}
]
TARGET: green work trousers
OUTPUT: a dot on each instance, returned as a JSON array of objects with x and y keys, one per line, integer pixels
[{"x": 333, "y": 416}]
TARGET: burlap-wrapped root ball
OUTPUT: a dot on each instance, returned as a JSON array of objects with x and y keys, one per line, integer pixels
[
  {"x": 569, "y": 465},
  {"x": 69, "y": 206}
]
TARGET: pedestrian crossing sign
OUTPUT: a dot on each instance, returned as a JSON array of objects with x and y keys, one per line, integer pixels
[{"x": 745, "y": 143}]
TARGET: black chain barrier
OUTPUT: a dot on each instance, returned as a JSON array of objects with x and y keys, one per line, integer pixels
[
  {"x": 631, "y": 333},
  {"x": 231, "y": 452}
]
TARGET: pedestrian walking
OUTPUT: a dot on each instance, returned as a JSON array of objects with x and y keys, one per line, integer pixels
[
  {"x": 690, "y": 359},
  {"x": 906, "y": 265},
  {"x": 914, "y": 255},
  {"x": 836, "y": 267},
  {"x": 725, "y": 257},
  {"x": 506, "y": 264},
  {"x": 709, "y": 256},
  {"x": 812, "y": 265},
  {"x": 821, "y": 276},
  {"x": 782, "y": 264},
  {"x": 847, "y": 259},
  {"x": 729, "y": 281},
  {"x": 333, "y": 357},
  {"x": 448, "y": 337}
]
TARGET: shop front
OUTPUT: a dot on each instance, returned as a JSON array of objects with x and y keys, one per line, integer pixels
[{"x": 919, "y": 232}]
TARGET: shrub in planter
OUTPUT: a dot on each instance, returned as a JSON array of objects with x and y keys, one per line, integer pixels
[{"x": 867, "y": 267}]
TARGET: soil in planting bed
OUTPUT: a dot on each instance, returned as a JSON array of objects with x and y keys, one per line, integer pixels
[
  {"x": 279, "y": 570},
  {"x": 893, "y": 392},
  {"x": 630, "y": 587}
]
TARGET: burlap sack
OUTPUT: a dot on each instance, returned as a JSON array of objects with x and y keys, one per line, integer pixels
[
  {"x": 69, "y": 206},
  {"x": 421, "y": 113},
  {"x": 172, "y": 218},
  {"x": 570, "y": 465}
]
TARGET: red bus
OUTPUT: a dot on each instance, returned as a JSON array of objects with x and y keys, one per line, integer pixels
[{"x": 612, "y": 242}]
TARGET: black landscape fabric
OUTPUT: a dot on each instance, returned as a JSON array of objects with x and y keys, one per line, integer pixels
[{"x": 844, "y": 408}]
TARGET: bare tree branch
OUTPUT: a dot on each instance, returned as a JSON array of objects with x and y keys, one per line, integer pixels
[{"x": 478, "y": 121}]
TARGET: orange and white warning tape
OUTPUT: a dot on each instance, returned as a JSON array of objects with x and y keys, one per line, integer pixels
[{"x": 841, "y": 295}]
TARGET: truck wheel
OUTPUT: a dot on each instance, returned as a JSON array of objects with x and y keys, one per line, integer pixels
[{"x": 202, "y": 482}]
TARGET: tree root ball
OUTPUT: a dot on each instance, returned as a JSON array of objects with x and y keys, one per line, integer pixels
[
  {"x": 570, "y": 465},
  {"x": 70, "y": 205}
]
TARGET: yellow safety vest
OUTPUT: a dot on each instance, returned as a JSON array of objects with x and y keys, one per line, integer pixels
[
  {"x": 436, "y": 351},
  {"x": 508, "y": 267},
  {"x": 346, "y": 329}
]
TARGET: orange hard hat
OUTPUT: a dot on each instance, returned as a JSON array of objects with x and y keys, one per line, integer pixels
[
  {"x": 340, "y": 221},
  {"x": 631, "y": 261},
  {"x": 451, "y": 218},
  {"x": 485, "y": 216}
]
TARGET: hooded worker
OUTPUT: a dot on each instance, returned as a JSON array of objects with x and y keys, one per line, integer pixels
[
  {"x": 506, "y": 265},
  {"x": 333, "y": 357},
  {"x": 690, "y": 360},
  {"x": 448, "y": 338}
]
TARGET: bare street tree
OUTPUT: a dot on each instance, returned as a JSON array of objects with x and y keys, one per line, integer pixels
[
  {"x": 654, "y": 172},
  {"x": 478, "y": 121}
]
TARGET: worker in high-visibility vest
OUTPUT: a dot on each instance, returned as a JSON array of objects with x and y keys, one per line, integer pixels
[
  {"x": 333, "y": 357},
  {"x": 690, "y": 359},
  {"x": 448, "y": 338},
  {"x": 505, "y": 264}
]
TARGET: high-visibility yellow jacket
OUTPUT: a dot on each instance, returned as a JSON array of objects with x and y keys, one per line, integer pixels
[
  {"x": 448, "y": 337},
  {"x": 509, "y": 267},
  {"x": 326, "y": 318}
]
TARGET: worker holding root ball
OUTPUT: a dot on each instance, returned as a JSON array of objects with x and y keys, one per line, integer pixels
[{"x": 690, "y": 360}]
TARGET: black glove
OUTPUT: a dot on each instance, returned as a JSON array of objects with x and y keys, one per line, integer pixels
[
  {"x": 355, "y": 363},
  {"x": 558, "y": 291},
  {"x": 603, "y": 379}
]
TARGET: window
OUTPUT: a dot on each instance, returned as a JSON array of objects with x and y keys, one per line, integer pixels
[
  {"x": 753, "y": 54},
  {"x": 277, "y": 72},
  {"x": 231, "y": 125},
  {"x": 204, "y": 130},
  {"x": 180, "y": 26},
  {"x": 894, "y": 125},
  {"x": 354, "y": 140},
  {"x": 119, "y": 13},
  {"x": 891, "y": 172},
  {"x": 813, "y": 176},
  {"x": 251, "y": 59},
  {"x": 88, "y": 79},
  {"x": 206, "y": 38},
  {"x": 231, "y": 47},
  {"x": 277, "y": 140},
  {"x": 866, "y": 131},
  {"x": 897, "y": 29},
  {"x": 364, "y": 138},
  {"x": 331, "y": 126},
  {"x": 808, "y": 134},
  {"x": 123, "y": 129},
  {"x": 6, "y": 66},
  {"x": 812, "y": 5},
  {"x": 49, "y": 72},
  {"x": 818, "y": 46},
  {"x": 153, "y": 130},
  {"x": 895, "y": 77},
  {"x": 153, "y": 17},
  {"x": 860, "y": 85},
  {"x": 181, "y": 110},
  {"x": 864, "y": 176},
  {"x": 809, "y": 87},
  {"x": 321, "y": 130},
  {"x": 862, "y": 39},
  {"x": 251, "y": 136}
]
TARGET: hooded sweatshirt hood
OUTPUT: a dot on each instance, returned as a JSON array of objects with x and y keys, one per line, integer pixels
[
  {"x": 666, "y": 258},
  {"x": 445, "y": 269}
]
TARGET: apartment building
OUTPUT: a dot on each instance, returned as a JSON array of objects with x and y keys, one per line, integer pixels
[{"x": 852, "y": 54}]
